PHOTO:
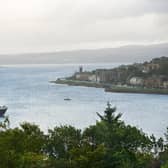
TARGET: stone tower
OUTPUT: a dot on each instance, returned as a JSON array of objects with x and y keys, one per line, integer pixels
[{"x": 80, "y": 69}]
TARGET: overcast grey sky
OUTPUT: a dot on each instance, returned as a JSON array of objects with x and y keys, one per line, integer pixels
[{"x": 52, "y": 25}]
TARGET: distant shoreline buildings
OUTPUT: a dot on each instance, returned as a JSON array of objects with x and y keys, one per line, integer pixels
[{"x": 153, "y": 74}]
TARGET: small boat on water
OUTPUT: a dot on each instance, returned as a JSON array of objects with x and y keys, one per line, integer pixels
[
  {"x": 3, "y": 109},
  {"x": 67, "y": 99}
]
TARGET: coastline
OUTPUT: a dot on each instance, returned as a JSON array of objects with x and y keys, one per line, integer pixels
[{"x": 112, "y": 88}]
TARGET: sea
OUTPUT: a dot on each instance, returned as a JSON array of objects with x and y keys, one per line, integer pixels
[{"x": 31, "y": 97}]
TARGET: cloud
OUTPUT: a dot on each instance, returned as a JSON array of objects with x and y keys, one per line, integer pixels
[{"x": 38, "y": 25}]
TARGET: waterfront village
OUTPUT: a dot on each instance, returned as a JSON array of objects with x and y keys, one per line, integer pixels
[{"x": 147, "y": 75}]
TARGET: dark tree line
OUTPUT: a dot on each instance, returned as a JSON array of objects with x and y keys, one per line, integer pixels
[{"x": 110, "y": 143}]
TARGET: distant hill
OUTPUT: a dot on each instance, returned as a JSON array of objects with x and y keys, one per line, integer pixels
[{"x": 133, "y": 53}]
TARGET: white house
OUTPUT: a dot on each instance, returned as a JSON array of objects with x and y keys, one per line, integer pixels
[{"x": 136, "y": 81}]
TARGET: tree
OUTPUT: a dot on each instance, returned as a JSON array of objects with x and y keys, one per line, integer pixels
[
  {"x": 125, "y": 144},
  {"x": 19, "y": 143},
  {"x": 109, "y": 115},
  {"x": 61, "y": 140},
  {"x": 110, "y": 143},
  {"x": 163, "y": 155}
]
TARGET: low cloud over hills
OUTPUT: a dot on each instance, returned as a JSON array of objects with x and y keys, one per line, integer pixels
[{"x": 137, "y": 53}]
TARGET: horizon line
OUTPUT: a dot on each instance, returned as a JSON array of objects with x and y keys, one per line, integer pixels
[{"x": 84, "y": 49}]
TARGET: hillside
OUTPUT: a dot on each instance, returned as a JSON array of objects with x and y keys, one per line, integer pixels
[{"x": 136, "y": 53}]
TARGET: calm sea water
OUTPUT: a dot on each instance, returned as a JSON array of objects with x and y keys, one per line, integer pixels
[{"x": 30, "y": 97}]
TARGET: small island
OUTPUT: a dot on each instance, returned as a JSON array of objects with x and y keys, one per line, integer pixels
[{"x": 148, "y": 77}]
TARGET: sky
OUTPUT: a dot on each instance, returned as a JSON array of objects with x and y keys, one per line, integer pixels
[{"x": 58, "y": 25}]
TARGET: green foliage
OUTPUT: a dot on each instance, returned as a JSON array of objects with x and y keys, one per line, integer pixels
[
  {"x": 17, "y": 143},
  {"x": 33, "y": 160},
  {"x": 109, "y": 115},
  {"x": 163, "y": 155},
  {"x": 86, "y": 156},
  {"x": 61, "y": 140},
  {"x": 165, "y": 165},
  {"x": 126, "y": 146},
  {"x": 5, "y": 124},
  {"x": 110, "y": 143}
]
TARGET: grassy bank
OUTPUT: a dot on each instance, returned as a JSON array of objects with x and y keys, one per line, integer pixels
[
  {"x": 78, "y": 83},
  {"x": 111, "y": 88},
  {"x": 136, "y": 90}
]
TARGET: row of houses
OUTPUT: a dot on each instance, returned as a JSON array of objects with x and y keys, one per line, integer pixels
[
  {"x": 86, "y": 76},
  {"x": 121, "y": 76},
  {"x": 101, "y": 76},
  {"x": 148, "y": 67},
  {"x": 150, "y": 82}
]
